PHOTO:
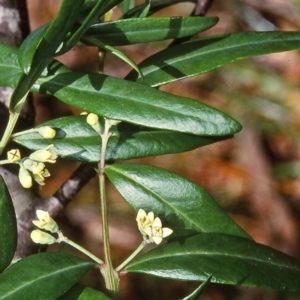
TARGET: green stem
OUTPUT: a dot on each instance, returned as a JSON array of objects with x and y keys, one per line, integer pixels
[
  {"x": 81, "y": 249},
  {"x": 5, "y": 162},
  {"x": 32, "y": 130},
  {"x": 110, "y": 276},
  {"x": 13, "y": 118},
  {"x": 132, "y": 256}
]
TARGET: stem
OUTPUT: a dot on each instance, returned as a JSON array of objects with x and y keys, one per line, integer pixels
[
  {"x": 32, "y": 130},
  {"x": 110, "y": 276},
  {"x": 81, "y": 249},
  {"x": 13, "y": 118},
  {"x": 132, "y": 256},
  {"x": 5, "y": 161}
]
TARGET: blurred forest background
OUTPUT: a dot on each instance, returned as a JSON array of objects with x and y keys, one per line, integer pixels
[{"x": 255, "y": 177}]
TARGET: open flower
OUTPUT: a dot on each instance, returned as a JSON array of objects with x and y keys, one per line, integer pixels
[
  {"x": 45, "y": 221},
  {"x": 38, "y": 170},
  {"x": 42, "y": 237},
  {"x": 44, "y": 155},
  {"x": 151, "y": 228}
]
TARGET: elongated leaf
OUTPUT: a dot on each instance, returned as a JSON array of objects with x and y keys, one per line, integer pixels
[
  {"x": 155, "y": 6},
  {"x": 42, "y": 276},
  {"x": 203, "y": 55},
  {"x": 229, "y": 259},
  {"x": 34, "y": 57},
  {"x": 181, "y": 204},
  {"x": 136, "y": 103},
  {"x": 10, "y": 71},
  {"x": 144, "y": 30},
  {"x": 8, "y": 227},
  {"x": 195, "y": 295},
  {"x": 76, "y": 140},
  {"x": 81, "y": 292}
]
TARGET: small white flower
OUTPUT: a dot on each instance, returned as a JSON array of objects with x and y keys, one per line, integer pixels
[
  {"x": 45, "y": 221},
  {"x": 44, "y": 155},
  {"x": 151, "y": 228}
]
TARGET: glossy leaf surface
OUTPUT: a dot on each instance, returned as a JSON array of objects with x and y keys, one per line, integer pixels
[
  {"x": 76, "y": 140},
  {"x": 182, "y": 205},
  {"x": 143, "y": 30},
  {"x": 8, "y": 227},
  {"x": 203, "y": 55},
  {"x": 10, "y": 71},
  {"x": 81, "y": 292},
  {"x": 42, "y": 276},
  {"x": 229, "y": 259},
  {"x": 136, "y": 103},
  {"x": 155, "y": 6}
]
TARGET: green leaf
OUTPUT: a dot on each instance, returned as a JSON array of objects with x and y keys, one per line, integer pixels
[
  {"x": 10, "y": 71},
  {"x": 145, "y": 10},
  {"x": 8, "y": 227},
  {"x": 76, "y": 140},
  {"x": 35, "y": 56},
  {"x": 136, "y": 103},
  {"x": 81, "y": 292},
  {"x": 42, "y": 276},
  {"x": 181, "y": 204},
  {"x": 195, "y": 295},
  {"x": 203, "y": 55},
  {"x": 144, "y": 30},
  {"x": 229, "y": 259},
  {"x": 155, "y": 6}
]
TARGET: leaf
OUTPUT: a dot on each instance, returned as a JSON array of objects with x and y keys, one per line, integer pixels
[
  {"x": 76, "y": 140},
  {"x": 181, "y": 204},
  {"x": 81, "y": 292},
  {"x": 155, "y": 6},
  {"x": 144, "y": 30},
  {"x": 229, "y": 259},
  {"x": 10, "y": 71},
  {"x": 35, "y": 56},
  {"x": 42, "y": 276},
  {"x": 8, "y": 227},
  {"x": 195, "y": 295},
  {"x": 202, "y": 55},
  {"x": 136, "y": 103}
]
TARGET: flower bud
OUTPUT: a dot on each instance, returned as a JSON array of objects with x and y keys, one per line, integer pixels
[
  {"x": 93, "y": 120},
  {"x": 46, "y": 132},
  {"x": 14, "y": 155},
  {"x": 41, "y": 237},
  {"x": 45, "y": 221},
  {"x": 24, "y": 177}
]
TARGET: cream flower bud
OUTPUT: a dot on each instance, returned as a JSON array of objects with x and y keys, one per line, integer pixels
[
  {"x": 41, "y": 237},
  {"x": 24, "y": 177},
  {"x": 46, "y": 132},
  {"x": 14, "y": 155},
  {"x": 93, "y": 120},
  {"x": 33, "y": 166},
  {"x": 44, "y": 155},
  {"x": 45, "y": 221}
]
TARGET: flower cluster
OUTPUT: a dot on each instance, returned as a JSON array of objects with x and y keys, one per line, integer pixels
[
  {"x": 44, "y": 222},
  {"x": 33, "y": 166},
  {"x": 151, "y": 228}
]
